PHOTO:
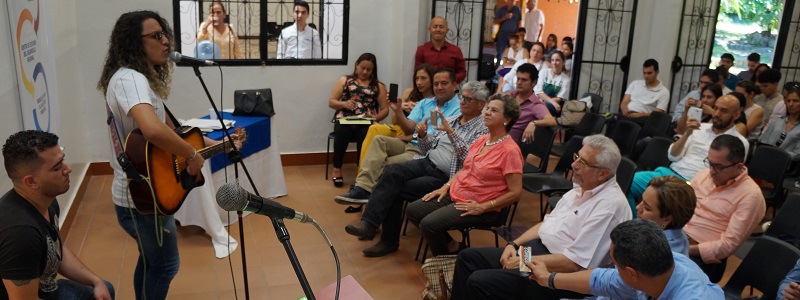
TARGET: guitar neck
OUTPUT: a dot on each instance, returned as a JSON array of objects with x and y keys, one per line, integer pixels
[{"x": 208, "y": 152}]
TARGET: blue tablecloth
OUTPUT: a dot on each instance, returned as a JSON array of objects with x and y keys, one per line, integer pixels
[{"x": 258, "y": 137}]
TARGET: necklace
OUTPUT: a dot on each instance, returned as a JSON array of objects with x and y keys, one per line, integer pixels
[{"x": 496, "y": 142}]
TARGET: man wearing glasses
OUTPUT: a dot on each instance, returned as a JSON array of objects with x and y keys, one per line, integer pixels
[
  {"x": 688, "y": 152},
  {"x": 299, "y": 40},
  {"x": 729, "y": 206},
  {"x": 573, "y": 237},
  {"x": 31, "y": 251}
]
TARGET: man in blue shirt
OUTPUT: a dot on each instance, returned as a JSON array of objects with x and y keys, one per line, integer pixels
[
  {"x": 508, "y": 18},
  {"x": 645, "y": 269},
  {"x": 789, "y": 288}
]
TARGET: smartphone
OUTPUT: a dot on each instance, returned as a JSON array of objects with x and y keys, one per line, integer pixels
[
  {"x": 393, "y": 92},
  {"x": 434, "y": 118},
  {"x": 695, "y": 113},
  {"x": 227, "y": 19},
  {"x": 524, "y": 254}
]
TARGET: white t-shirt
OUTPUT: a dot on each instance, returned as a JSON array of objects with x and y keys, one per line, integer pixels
[
  {"x": 690, "y": 161},
  {"x": 511, "y": 76},
  {"x": 645, "y": 99},
  {"x": 126, "y": 89},
  {"x": 552, "y": 85},
  {"x": 299, "y": 44},
  {"x": 533, "y": 18}
]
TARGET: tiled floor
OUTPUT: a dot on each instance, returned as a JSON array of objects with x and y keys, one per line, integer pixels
[{"x": 98, "y": 240}]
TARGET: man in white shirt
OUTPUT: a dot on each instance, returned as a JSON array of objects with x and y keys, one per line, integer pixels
[
  {"x": 534, "y": 22},
  {"x": 299, "y": 40},
  {"x": 573, "y": 237},
  {"x": 646, "y": 95}
]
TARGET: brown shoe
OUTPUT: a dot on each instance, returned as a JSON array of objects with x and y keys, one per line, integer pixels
[
  {"x": 363, "y": 230},
  {"x": 379, "y": 249}
]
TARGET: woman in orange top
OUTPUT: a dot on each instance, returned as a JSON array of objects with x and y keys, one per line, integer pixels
[{"x": 215, "y": 29}]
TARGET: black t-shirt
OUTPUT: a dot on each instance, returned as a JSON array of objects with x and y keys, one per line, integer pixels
[{"x": 30, "y": 246}]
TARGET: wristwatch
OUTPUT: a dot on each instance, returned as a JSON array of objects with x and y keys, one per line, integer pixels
[
  {"x": 516, "y": 247},
  {"x": 415, "y": 135}
]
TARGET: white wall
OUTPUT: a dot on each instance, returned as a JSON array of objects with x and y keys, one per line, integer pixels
[{"x": 655, "y": 36}]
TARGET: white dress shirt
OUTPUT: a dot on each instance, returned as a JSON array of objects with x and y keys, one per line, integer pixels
[{"x": 299, "y": 44}]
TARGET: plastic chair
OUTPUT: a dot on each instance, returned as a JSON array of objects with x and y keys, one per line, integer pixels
[
  {"x": 656, "y": 124},
  {"x": 655, "y": 155},
  {"x": 768, "y": 167},
  {"x": 540, "y": 147},
  {"x": 548, "y": 183},
  {"x": 763, "y": 268},
  {"x": 624, "y": 136},
  {"x": 590, "y": 124}
]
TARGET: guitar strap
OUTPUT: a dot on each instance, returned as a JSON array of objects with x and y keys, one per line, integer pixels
[
  {"x": 122, "y": 157},
  {"x": 171, "y": 117}
]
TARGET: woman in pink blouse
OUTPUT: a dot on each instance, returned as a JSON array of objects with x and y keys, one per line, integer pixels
[{"x": 490, "y": 180}]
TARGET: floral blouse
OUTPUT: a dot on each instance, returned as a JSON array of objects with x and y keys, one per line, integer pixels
[{"x": 366, "y": 98}]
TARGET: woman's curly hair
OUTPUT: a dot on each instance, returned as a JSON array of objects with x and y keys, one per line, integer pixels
[{"x": 126, "y": 49}]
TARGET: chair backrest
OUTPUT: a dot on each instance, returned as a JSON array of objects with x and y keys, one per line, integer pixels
[
  {"x": 625, "y": 172},
  {"x": 655, "y": 125},
  {"x": 769, "y": 165},
  {"x": 597, "y": 101},
  {"x": 785, "y": 225},
  {"x": 655, "y": 155},
  {"x": 764, "y": 267},
  {"x": 590, "y": 124},
  {"x": 624, "y": 136},
  {"x": 543, "y": 138},
  {"x": 564, "y": 163}
]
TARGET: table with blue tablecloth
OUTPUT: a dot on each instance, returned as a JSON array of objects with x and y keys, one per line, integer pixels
[{"x": 263, "y": 161}]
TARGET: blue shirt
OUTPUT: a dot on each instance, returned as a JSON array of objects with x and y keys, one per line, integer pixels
[
  {"x": 793, "y": 276},
  {"x": 678, "y": 240},
  {"x": 687, "y": 282},
  {"x": 423, "y": 110},
  {"x": 509, "y": 25}
]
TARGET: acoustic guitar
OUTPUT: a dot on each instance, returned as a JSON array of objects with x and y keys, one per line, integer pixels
[{"x": 166, "y": 174}]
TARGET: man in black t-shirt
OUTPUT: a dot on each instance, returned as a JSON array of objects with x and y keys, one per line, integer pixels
[{"x": 31, "y": 251}]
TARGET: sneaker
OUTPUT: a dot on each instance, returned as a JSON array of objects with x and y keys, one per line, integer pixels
[{"x": 355, "y": 195}]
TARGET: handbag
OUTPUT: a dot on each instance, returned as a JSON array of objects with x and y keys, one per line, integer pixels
[
  {"x": 253, "y": 103},
  {"x": 572, "y": 112},
  {"x": 439, "y": 271}
]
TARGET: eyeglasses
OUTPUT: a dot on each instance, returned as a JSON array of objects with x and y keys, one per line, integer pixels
[
  {"x": 780, "y": 140},
  {"x": 158, "y": 35},
  {"x": 467, "y": 99},
  {"x": 717, "y": 167},
  {"x": 578, "y": 158}
]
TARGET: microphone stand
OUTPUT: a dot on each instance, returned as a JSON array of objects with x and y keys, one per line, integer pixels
[{"x": 282, "y": 233}]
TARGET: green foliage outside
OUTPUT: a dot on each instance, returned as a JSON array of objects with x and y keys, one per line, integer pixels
[
  {"x": 744, "y": 27},
  {"x": 764, "y": 12}
]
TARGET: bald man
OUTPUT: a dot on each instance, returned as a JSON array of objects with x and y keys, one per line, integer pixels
[{"x": 439, "y": 53}]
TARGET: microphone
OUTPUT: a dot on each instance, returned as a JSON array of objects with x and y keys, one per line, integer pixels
[
  {"x": 177, "y": 57},
  {"x": 232, "y": 197}
]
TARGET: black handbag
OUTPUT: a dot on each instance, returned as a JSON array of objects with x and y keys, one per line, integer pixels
[{"x": 253, "y": 103}]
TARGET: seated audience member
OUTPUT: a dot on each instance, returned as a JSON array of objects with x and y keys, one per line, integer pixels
[
  {"x": 567, "y": 39},
  {"x": 708, "y": 97},
  {"x": 514, "y": 53},
  {"x": 573, "y": 237},
  {"x": 752, "y": 62},
  {"x": 551, "y": 45},
  {"x": 644, "y": 269},
  {"x": 669, "y": 202},
  {"x": 566, "y": 47},
  {"x": 689, "y": 151},
  {"x": 422, "y": 89},
  {"x": 769, "y": 97},
  {"x": 439, "y": 53},
  {"x": 533, "y": 111},
  {"x": 388, "y": 150},
  {"x": 789, "y": 289},
  {"x": 752, "y": 111},
  {"x": 536, "y": 58},
  {"x": 215, "y": 29},
  {"x": 521, "y": 34},
  {"x": 760, "y": 69},
  {"x": 490, "y": 180},
  {"x": 445, "y": 152},
  {"x": 741, "y": 122},
  {"x": 729, "y": 206},
  {"x": 300, "y": 40},
  {"x": 553, "y": 85},
  {"x": 359, "y": 93},
  {"x": 643, "y": 97},
  {"x": 708, "y": 76},
  {"x": 783, "y": 132},
  {"x": 31, "y": 250},
  {"x": 780, "y": 108},
  {"x": 725, "y": 64}
]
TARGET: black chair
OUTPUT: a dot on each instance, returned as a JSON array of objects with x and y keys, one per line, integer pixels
[
  {"x": 656, "y": 124},
  {"x": 784, "y": 226},
  {"x": 590, "y": 124},
  {"x": 625, "y": 171},
  {"x": 763, "y": 268},
  {"x": 624, "y": 136},
  {"x": 548, "y": 183},
  {"x": 655, "y": 155},
  {"x": 597, "y": 101},
  {"x": 769, "y": 165},
  {"x": 540, "y": 147}
]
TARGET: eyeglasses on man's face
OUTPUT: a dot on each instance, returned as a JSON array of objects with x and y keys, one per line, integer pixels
[
  {"x": 583, "y": 162},
  {"x": 717, "y": 167}
]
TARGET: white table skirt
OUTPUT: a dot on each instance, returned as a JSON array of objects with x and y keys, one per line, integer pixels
[{"x": 201, "y": 209}]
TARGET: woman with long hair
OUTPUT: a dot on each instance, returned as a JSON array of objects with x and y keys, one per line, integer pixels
[
  {"x": 215, "y": 29},
  {"x": 514, "y": 53},
  {"x": 551, "y": 45},
  {"x": 553, "y": 84},
  {"x": 783, "y": 132},
  {"x": 357, "y": 94},
  {"x": 566, "y": 47},
  {"x": 536, "y": 58},
  {"x": 708, "y": 97},
  {"x": 752, "y": 111}
]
